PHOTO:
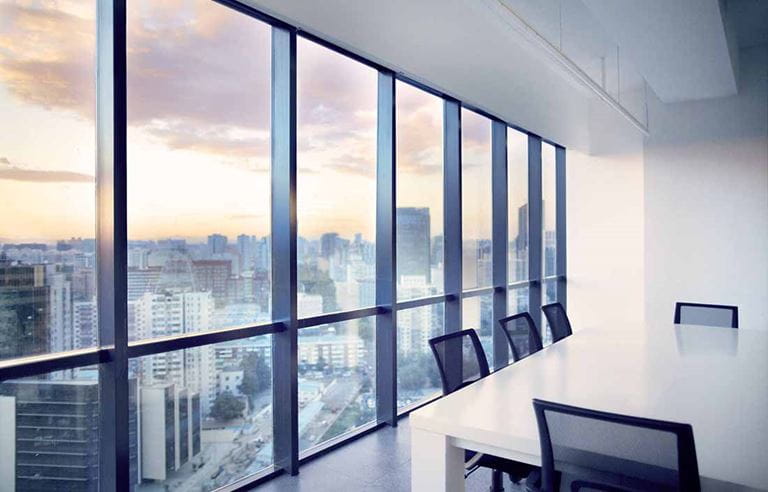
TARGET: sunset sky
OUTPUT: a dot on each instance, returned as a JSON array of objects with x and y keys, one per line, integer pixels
[{"x": 199, "y": 140}]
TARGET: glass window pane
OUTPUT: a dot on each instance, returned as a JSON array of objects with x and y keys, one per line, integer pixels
[
  {"x": 549, "y": 197},
  {"x": 417, "y": 375},
  {"x": 517, "y": 178},
  {"x": 198, "y": 167},
  {"x": 477, "y": 313},
  {"x": 549, "y": 295},
  {"x": 337, "y": 379},
  {"x": 206, "y": 414},
  {"x": 47, "y": 169},
  {"x": 476, "y": 199},
  {"x": 50, "y": 438},
  {"x": 337, "y": 100},
  {"x": 419, "y": 193},
  {"x": 517, "y": 300}
]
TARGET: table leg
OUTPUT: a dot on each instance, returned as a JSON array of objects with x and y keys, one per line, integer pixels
[{"x": 436, "y": 465}]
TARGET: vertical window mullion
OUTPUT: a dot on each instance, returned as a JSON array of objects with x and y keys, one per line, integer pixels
[
  {"x": 499, "y": 238},
  {"x": 534, "y": 228},
  {"x": 111, "y": 234},
  {"x": 284, "y": 267},
  {"x": 386, "y": 282},
  {"x": 561, "y": 267},
  {"x": 452, "y": 215},
  {"x": 452, "y": 229}
]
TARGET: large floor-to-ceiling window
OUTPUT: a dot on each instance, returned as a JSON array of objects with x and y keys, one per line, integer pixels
[{"x": 225, "y": 244}]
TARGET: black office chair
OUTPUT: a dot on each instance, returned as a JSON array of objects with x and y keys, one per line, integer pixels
[
  {"x": 584, "y": 449},
  {"x": 691, "y": 313},
  {"x": 558, "y": 321},
  {"x": 523, "y": 336},
  {"x": 461, "y": 362}
]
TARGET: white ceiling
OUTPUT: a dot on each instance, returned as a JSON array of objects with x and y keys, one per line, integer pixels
[
  {"x": 680, "y": 46},
  {"x": 454, "y": 46}
]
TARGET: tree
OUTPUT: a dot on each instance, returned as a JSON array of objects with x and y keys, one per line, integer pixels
[
  {"x": 226, "y": 407},
  {"x": 256, "y": 375}
]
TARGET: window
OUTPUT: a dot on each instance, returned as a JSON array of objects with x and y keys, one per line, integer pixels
[
  {"x": 47, "y": 183},
  {"x": 206, "y": 414},
  {"x": 549, "y": 209},
  {"x": 337, "y": 379},
  {"x": 336, "y": 181},
  {"x": 208, "y": 164},
  {"x": 517, "y": 179},
  {"x": 198, "y": 168},
  {"x": 476, "y": 199},
  {"x": 477, "y": 314},
  {"x": 417, "y": 374},
  {"x": 419, "y": 134}
]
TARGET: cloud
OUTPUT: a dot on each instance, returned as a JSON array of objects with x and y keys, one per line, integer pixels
[
  {"x": 199, "y": 80},
  {"x": 15, "y": 173}
]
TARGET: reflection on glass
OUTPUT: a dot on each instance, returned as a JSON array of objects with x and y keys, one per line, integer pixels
[
  {"x": 206, "y": 414},
  {"x": 417, "y": 374},
  {"x": 477, "y": 314},
  {"x": 517, "y": 179},
  {"x": 419, "y": 134},
  {"x": 199, "y": 253},
  {"x": 336, "y": 181},
  {"x": 549, "y": 214},
  {"x": 50, "y": 438},
  {"x": 337, "y": 379},
  {"x": 476, "y": 199},
  {"x": 47, "y": 168}
]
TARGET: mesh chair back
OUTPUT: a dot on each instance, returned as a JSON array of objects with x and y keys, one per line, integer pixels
[
  {"x": 522, "y": 335},
  {"x": 558, "y": 321},
  {"x": 460, "y": 359},
  {"x": 615, "y": 450},
  {"x": 690, "y": 313}
]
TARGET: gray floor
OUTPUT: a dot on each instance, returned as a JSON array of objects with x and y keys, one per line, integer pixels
[{"x": 380, "y": 461}]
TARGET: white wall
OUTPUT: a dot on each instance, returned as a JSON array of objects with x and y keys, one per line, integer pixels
[
  {"x": 605, "y": 226},
  {"x": 706, "y": 200}
]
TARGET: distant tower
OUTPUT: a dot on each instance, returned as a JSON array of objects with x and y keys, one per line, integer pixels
[
  {"x": 217, "y": 244},
  {"x": 413, "y": 243}
]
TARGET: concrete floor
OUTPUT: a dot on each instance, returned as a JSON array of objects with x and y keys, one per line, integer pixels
[{"x": 380, "y": 461}]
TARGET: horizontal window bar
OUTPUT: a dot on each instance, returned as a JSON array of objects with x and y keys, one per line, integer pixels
[
  {"x": 42, "y": 364},
  {"x": 423, "y": 301},
  {"x": 250, "y": 481},
  {"x": 518, "y": 285},
  {"x": 336, "y": 317},
  {"x": 403, "y": 412},
  {"x": 189, "y": 340},
  {"x": 331, "y": 444},
  {"x": 477, "y": 292},
  {"x": 553, "y": 277}
]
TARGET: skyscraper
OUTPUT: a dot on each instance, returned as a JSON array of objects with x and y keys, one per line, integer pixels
[
  {"x": 24, "y": 305},
  {"x": 217, "y": 244},
  {"x": 413, "y": 243}
]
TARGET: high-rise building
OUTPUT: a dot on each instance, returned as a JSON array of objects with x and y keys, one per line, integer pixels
[
  {"x": 413, "y": 242},
  {"x": 24, "y": 309},
  {"x": 246, "y": 247},
  {"x": 212, "y": 276},
  {"x": 217, "y": 244},
  {"x": 170, "y": 429},
  {"x": 85, "y": 324},
  {"x": 50, "y": 435}
]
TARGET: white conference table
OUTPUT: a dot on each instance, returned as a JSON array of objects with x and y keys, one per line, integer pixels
[{"x": 714, "y": 378}]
